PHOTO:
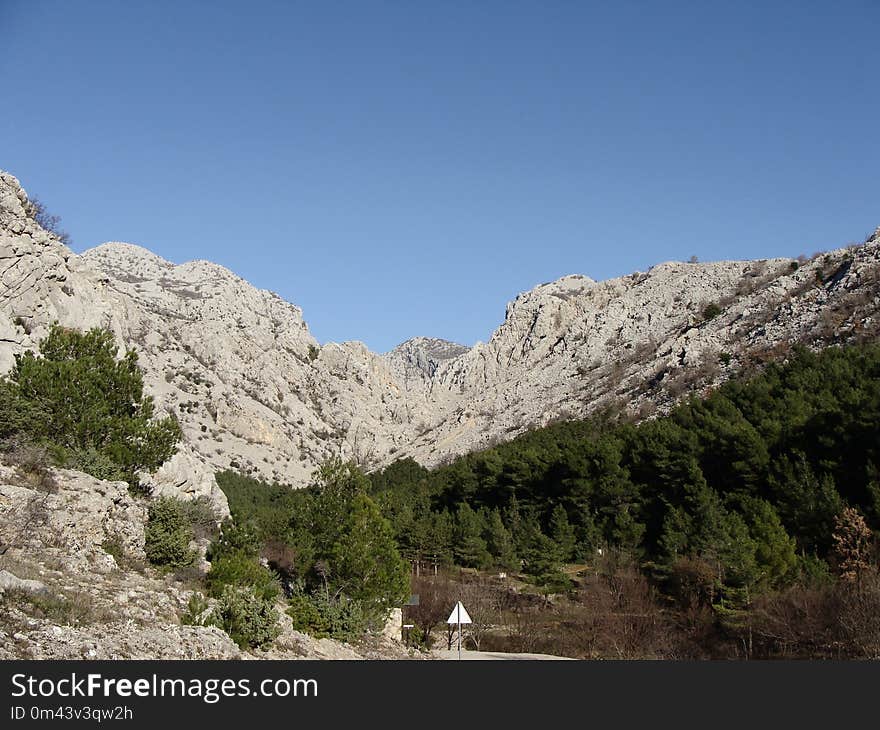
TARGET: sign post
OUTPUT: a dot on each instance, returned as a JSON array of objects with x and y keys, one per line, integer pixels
[{"x": 459, "y": 616}]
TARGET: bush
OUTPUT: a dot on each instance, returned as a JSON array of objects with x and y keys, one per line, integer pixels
[
  {"x": 711, "y": 311},
  {"x": 31, "y": 461},
  {"x": 168, "y": 535},
  {"x": 249, "y": 620},
  {"x": 47, "y": 221},
  {"x": 91, "y": 461},
  {"x": 113, "y": 547},
  {"x": 322, "y": 617},
  {"x": 235, "y": 538},
  {"x": 197, "y": 611},
  {"x": 201, "y": 517},
  {"x": 73, "y": 609},
  {"x": 237, "y": 568}
]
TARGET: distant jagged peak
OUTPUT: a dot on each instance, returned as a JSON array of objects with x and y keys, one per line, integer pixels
[
  {"x": 433, "y": 347},
  {"x": 417, "y": 360}
]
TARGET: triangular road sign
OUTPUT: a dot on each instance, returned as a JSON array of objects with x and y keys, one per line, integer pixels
[{"x": 459, "y": 615}]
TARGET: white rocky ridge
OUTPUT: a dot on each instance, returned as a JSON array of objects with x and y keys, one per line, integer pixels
[{"x": 255, "y": 391}]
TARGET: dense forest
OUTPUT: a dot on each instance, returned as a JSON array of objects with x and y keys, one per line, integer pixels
[{"x": 749, "y": 478}]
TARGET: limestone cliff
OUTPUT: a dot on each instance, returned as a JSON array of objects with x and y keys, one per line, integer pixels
[{"x": 254, "y": 390}]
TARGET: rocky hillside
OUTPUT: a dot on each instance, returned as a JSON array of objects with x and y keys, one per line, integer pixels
[
  {"x": 254, "y": 390},
  {"x": 75, "y": 584}
]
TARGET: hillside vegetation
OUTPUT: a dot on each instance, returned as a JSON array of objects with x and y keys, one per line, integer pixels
[{"x": 766, "y": 485}]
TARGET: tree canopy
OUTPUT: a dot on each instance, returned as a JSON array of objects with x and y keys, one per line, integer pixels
[{"x": 77, "y": 396}]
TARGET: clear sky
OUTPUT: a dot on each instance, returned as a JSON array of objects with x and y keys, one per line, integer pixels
[{"x": 406, "y": 168}]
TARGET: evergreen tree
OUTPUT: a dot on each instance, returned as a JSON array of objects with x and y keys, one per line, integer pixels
[
  {"x": 775, "y": 550},
  {"x": 500, "y": 542},
  {"x": 364, "y": 562},
  {"x": 808, "y": 503},
  {"x": 83, "y": 400},
  {"x": 437, "y": 529},
  {"x": 542, "y": 557},
  {"x": 469, "y": 547},
  {"x": 562, "y": 533}
]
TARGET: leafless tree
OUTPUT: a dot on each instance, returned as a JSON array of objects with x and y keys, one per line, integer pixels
[
  {"x": 437, "y": 597},
  {"x": 47, "y": 221}
]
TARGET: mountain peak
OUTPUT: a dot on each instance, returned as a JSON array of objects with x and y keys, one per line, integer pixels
[
  {"x": 436, "y": 347},
  {"x": 419, "y": 358}
]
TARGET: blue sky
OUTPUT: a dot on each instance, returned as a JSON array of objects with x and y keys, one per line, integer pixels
[{"x": 406, "y": 168}]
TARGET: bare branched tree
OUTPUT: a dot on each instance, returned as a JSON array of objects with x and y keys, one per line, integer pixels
[{"x": 47, "y": 221}]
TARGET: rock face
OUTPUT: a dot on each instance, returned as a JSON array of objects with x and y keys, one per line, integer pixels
[
  {"x": 416, "y": 361},
  {"x": 255, "y": 391}
]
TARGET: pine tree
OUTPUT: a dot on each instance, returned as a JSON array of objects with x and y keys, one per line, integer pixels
[
  {"x": 775, "y": 550},
  {"x": 88, "y": 404},
  {"x": 562, "y": 532},
  {"x": 364, "y": 562},
  {"x": 500, "y": 542},
  {"x": 469, "y": 547}
]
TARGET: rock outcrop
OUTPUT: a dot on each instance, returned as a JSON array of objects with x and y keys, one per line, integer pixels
[{"x": 255, "y": 391}]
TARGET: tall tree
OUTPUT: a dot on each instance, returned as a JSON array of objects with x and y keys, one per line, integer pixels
[
  {"x": 469, "y": 547},
  {"x": 364, "y": 562},
  {"x": 562, "y": 532},
  {"x": 84, "y": 400}
]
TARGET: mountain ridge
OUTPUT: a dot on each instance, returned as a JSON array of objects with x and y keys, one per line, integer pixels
[{"x": 254, "y": 390}]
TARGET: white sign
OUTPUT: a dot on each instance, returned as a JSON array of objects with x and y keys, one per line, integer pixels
[{"x": 459, "y": 615}]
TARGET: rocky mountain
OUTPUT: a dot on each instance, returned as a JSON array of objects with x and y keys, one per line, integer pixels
[
  {"x": 415, "y": 361},
  {"x": 255, "y": 391}
]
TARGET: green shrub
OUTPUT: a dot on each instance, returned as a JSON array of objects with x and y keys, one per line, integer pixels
[
  {"x": 197, "y": 611},
  {"x": 91, "y": 461},
  {"x": 113, "y": 547},
  {"x": 418, "y": 639},
  {"x": 250, "y": 621},
  {"x": 237, "y": 568},
  {"x": 307, "y": 617},
  {"x": 711, "y": 311},
  {"x": 341, "y": 619},
  {"x": 201, "y": 517},
  {"x": 168, "y": 534},
  {"x": 235, "y": 538}
]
